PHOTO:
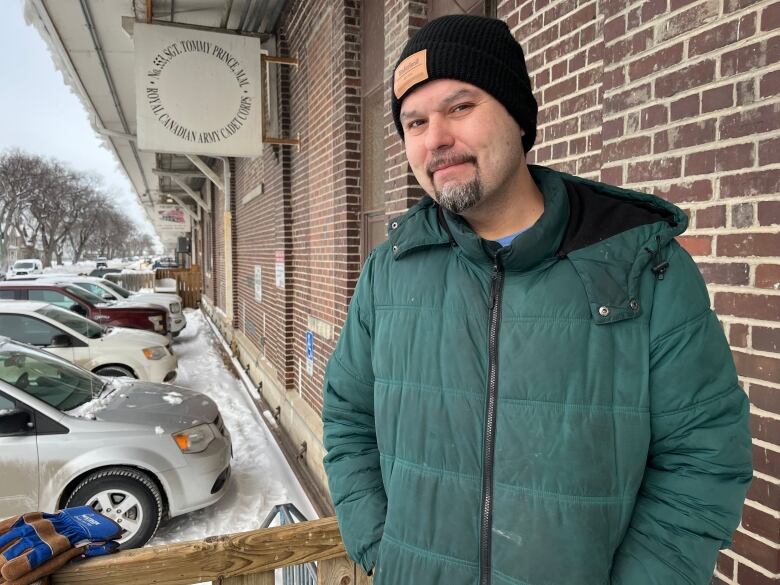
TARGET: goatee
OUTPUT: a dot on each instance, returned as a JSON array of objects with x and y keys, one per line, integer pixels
[{"x": 460, "y": 198}]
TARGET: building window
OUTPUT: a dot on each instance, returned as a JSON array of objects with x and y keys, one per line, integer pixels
[{"x": 374, "y": 218}]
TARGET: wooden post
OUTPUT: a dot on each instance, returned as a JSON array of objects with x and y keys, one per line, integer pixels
[{"x": 341, "y": 571}]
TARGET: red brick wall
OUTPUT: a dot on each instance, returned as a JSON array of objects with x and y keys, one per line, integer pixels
[
  {"x": 310, "y": 203},
  {"x": 262, "y": 229},
  {"x": 680, "y": 98}
]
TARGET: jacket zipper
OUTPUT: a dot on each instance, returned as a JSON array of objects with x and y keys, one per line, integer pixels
[{"x": 486, "y": 518}]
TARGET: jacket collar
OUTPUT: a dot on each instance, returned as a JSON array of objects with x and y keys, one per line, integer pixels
[
  {"x": 608, "y": 233},
  {"x": 426, "y": 224}
]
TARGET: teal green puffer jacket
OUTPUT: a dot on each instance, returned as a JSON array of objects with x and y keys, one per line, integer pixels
[{"x": 562, "y": 411}]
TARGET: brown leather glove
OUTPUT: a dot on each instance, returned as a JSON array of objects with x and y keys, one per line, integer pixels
[{"x": 36, "y": 544}]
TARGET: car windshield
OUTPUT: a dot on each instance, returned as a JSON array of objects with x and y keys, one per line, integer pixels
[
  {"x": 85, "y": 295},
  {"x": 24, "y": 265},
  {"x": 47, "y": 378},
  {"x": 115, "y": 287},
  {"x": 76, "y": 322}
]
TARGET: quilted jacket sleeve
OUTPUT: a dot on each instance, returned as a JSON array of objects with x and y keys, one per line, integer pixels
[
  {"x": 352, "y": 461},
  {"x": 699, "y": 464}
]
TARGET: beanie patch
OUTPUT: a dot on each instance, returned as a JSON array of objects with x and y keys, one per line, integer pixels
[{"x": 409, "y": 72}]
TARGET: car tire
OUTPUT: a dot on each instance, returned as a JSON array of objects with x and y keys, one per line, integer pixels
[
  {"x": 115, "y": 371},
  {"x": 106, "y": 490}
]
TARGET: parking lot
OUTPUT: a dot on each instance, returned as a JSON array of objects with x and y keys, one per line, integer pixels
[{"x": 261, "y": 477}]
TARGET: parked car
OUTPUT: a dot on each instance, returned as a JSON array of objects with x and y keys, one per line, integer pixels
[
  {"x": 134, "y": 451},
  {"x": 106, "y": 351},
  {"x": 110, "y": 291},
  {"x": 101, "y": 272},
  {"x": 24, "y": 267},
  {"x": 74, "y": 298},
  {"x": 101, "y": 262},
  {"x": 165, "y": 262}
]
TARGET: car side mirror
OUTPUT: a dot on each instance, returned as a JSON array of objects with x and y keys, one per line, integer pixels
[
  {"x": 79, "y": 310},
  {"x": 61, "y": 340},
  {"x": 108, "y": 297},
  {"x": 15, "y": 422}
]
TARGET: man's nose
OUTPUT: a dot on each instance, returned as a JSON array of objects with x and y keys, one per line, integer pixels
[{"x": 438, "y": 135}]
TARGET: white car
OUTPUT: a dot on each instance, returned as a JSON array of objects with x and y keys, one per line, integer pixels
[
  {"x": 111, "y": 291},
  {"x": 25, "y": 267},
  {"x": 107, "y": 351}
]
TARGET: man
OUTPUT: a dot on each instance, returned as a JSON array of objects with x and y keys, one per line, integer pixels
[{"x": 530, "y": 387}]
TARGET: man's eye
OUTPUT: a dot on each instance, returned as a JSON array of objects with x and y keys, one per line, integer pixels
[
  {"x": 415, "y": 124},
  {"x": 461, "y": 108}
]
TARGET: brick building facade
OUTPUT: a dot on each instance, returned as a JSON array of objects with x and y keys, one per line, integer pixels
[{"x": 679, "y": 98}]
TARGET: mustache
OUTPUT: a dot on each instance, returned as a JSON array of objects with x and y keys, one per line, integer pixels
[{"x": 447, "y": 160}]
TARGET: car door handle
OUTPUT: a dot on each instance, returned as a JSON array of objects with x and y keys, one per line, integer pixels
[{"x": 101, "y": 318}]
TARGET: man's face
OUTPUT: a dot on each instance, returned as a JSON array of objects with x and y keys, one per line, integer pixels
[{"x": 463, "y": 146}]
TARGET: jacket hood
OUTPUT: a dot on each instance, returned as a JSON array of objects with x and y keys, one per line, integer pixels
[{"x": 608, "y": 233}]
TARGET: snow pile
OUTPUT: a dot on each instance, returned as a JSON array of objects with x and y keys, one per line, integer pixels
[
  {"x": 90, "y": 409},
  {"x": 173, "y": 398},
  {"x": 261, "y": 478}
]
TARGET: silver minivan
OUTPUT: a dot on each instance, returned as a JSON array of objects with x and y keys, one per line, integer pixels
[{"x": 135, "y": 451}]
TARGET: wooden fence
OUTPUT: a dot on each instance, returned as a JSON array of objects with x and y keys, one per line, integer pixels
[
  {"x": 132, "y": 281},
  {"x": 246, "y": 558},
  {"x": 189, "y": 282}
]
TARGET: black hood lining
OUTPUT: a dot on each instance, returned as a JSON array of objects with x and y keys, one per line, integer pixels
[{"x": 594, "y": 217}]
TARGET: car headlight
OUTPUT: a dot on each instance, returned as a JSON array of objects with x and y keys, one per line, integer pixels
[
  {"x": 194, "y": 440},
  {"x": 155, "y": 353},
  {"x": 175, "y": 308}
]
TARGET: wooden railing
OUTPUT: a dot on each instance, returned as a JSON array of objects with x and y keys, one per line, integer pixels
[{"x": 246, "y": 558}]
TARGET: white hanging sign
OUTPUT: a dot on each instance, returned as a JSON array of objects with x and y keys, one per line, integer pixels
[{"x": 197, "y": 92}]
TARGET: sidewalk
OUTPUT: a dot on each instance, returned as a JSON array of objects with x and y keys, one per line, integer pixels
[{"x": 261, "y": 477}]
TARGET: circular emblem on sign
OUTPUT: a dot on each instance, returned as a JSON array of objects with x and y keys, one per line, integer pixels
[{"x": 198, "y": 91}]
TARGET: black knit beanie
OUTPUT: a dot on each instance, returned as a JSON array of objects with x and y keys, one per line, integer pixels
[{"x": 475, "y": 49}]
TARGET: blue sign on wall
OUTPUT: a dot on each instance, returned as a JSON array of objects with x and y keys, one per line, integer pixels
[{"x": 309, "y": 345}]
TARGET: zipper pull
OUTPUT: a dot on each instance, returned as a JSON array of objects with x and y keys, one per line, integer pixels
[{"x": 493, "y": 285}]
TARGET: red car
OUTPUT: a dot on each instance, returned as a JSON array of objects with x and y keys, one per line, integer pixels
[{"x": 74, "y": 298}]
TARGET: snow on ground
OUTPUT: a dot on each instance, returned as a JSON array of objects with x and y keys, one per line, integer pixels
[{"x": 261, "y": 477}]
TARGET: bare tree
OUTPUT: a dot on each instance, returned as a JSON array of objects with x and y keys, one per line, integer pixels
[
  {"x": 22, "y": 176},
  {"x": 58, "y": 207},
  {"x": 83, "y": 231},
  {"x": 52, "y": 207}
]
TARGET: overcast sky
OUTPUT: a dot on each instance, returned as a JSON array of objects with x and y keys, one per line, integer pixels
[{"x": 39, "y": 114}]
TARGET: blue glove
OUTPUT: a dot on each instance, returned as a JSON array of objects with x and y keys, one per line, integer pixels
[{"x": 37, "y": 544}]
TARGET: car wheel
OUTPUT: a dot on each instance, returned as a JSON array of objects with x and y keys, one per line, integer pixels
[
  {"x": 127, "y": 496},
  {"x": 115, "y": 371}
]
